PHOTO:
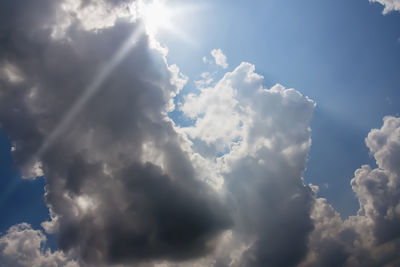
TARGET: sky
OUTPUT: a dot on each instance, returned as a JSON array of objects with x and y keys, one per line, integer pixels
[{"x": 199, "y": 133}]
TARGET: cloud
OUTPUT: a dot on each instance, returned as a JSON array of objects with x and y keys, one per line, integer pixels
[
  {"x": 258, "y": 140},
  {"x": 390, "y": 5},
  {"x": 126, "y": 186},
  {"x": 372, "y": 237},
  {"x": 10, "y": 73},
  {"x": 120, "y": 186},
  {"x": 220, "y": 58},
  {"x": 22, "y": 246},
  {"x": 263, "y": 136}
]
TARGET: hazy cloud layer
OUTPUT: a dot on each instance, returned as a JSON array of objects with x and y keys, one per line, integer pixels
[{"x": 127, "y": 187}]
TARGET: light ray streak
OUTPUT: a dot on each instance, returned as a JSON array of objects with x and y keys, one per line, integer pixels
[{"x": 89, "y": 92}]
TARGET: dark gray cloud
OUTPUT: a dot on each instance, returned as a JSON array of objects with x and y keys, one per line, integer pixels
[{"x": 109, "y": 203}]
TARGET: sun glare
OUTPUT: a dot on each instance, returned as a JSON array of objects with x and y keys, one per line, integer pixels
[
  {"x": 161, "y": 15},
  {"x": 157, "y": 15}
]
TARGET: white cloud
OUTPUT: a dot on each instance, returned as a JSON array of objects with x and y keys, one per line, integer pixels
[
  {"x": 22, "y": 246},
  {"x": 92, "y": 15},
  {"x": 372, "y": 237},
  {"x": 32, "y": 172},
  {"x": 220, "y": 58},
  {"x": 266, "y": 153},
  {"x": 390, "y": 5},
  {"x": 258, "y": 140}
]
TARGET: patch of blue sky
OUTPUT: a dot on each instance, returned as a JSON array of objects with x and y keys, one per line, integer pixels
[{"x": 20, "y": 200}]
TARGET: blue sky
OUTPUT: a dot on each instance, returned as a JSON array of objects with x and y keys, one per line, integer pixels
[{"x": 344, "y": 55}]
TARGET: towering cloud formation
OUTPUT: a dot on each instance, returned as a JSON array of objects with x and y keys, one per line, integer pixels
[
  {"x": 258, "y": 139},
  {"x": 86, "y": 105}
]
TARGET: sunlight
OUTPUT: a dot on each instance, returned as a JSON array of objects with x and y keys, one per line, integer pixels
[
  {"x": 157, "y": 15},
  {"x": 161, "y": 15}
]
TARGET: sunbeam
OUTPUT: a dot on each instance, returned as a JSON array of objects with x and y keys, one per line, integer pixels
[
  {"x": 89, "y": 92},
  {"x": 157, "y": 15}
]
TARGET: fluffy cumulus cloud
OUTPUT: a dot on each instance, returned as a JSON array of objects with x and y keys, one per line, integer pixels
[
  {"x": 22, "y": 246},
  {"x": 258, "y": 140},
  {"x": 390, "y": 5},
  {"x": 85, "y": 103}
]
